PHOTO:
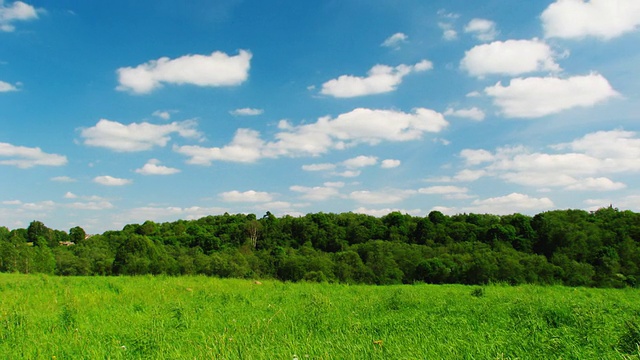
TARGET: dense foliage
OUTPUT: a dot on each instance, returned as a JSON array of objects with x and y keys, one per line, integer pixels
[{"x": 571, "y": 247}]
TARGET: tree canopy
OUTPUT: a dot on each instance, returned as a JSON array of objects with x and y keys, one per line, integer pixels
[{"x": 570, "y": 247}]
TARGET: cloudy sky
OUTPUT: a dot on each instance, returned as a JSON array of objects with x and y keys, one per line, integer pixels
[{"x": 121, "y": 111}]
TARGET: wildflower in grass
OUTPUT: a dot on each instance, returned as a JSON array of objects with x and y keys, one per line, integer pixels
[
  {"x": 123, "y": 347},
  {"x": 295, "y": 357},
  {"x": 377, "y": 342}
]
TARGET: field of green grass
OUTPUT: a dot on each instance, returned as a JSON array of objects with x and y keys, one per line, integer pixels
[{"x": 46, "y": 317}]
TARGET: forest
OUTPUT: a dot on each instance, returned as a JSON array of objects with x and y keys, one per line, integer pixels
[{"x": 569, "y": 247}]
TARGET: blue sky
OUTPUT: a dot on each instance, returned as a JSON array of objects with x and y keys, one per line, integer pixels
[{"x": 124, "y": 111}]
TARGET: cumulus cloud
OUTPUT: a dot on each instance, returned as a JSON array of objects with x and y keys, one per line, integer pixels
[
  {"x": 511, "y": 57},
  {"x": 395, "y": 40},
  {"x": 540, "y": 96},
  {"x": 70, "y": 195},
  {"x": 27, "y": 157},
  {"x": 246, "y": 112},
  {"x": 448, "y": 32},
  {"x": 596, "y": 184},
  {"x": 153, "y": 167},
  {"x": 245, "y": 147},
  {"x": 348, "y": 173},
  {"x": 474, "y": 157},
  {"x": 482, "y": 29},
  {"x": 440, "y": 190},
  {"x": 163, "y": 114},
  {"x": 6, "y": 87},
  {"x": 360, "y": 161},
  {"x": 386, "y": 196},
  {"x": 17, "y": 11},
  {"x": 91, "y": 205},
  {"x": 64, "y": 179},
  {"x": 603, "y": 19},
  {"x": 380, "y": 79},
  {"x": 111, "y": 181},
  {"x": 447, "y": 191},
  {"x": 318, "y": 167},
  {"x": 316, "y": 193},
  {"x": 360, "y": 126},
  {"x": 246, "y": 196},
  {"x": 390, "y": 163},
  {"x": 464, "y": 175},
  {"x": 473, "y": 113},
  {"x": 217, "y": 69},
  {"x": 584, "y": 164},
  {"x": 136, "y": 136},
  {"x": 509, "y": 204}
]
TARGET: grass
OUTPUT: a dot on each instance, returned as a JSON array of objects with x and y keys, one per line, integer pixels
[{"x": 43, "y": 317}]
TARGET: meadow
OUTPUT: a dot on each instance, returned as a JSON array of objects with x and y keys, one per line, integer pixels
[{"x": 161, "y": 317}]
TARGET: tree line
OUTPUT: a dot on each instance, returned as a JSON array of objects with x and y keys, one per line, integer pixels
[{"x": 571, "y": 247}]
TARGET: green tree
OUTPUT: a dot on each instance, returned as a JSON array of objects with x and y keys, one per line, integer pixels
[{"x": 77, "y": 234}]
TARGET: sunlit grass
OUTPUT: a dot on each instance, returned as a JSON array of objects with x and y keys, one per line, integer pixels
[{"x": 199, "y": 317}]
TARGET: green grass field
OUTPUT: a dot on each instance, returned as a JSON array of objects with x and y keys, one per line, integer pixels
[{"x": 45, "y": 317}]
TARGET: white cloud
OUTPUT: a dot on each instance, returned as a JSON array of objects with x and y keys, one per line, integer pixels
[
  {"x": 473, "y": 113},
  {"x": 6, "y": 87},
  {"x": 580, "y": 165},
  {"x": 64, "y": 179},
  {"x": 70, "y": 195},
  {"x": 387, "y": 196},
  {"x": 153, "y": 167},
  {"x": 317, "y": 193},
  {"x": 360, "y": 161},
  {"x": 596, "y": 184},
  {"x": 247, "y": 196},
  {"x": 318, "y": 167},
  {"x": 353, "y": 128},
  {"x": 17, "y": 11},
  {"x": 475, "y": 157},
  {"x": 348, "y": 173},
  {"x": 465, "y": 175},
  {"x": 443, "y": 190},
  {"x": 136, "y": 136},
  {"x": 380, "y": 79},
  {"x": 509, "y": 204},
  {"x": 39, "y": 206},
  {"x": 482, "y": 29},
  {"x": 163, "y": 114},
  {"x": 540, "y": 96},
  {"x": 390, "y": 163},
  {"x": 448, "y": 33},
  {"x": 604, "y": 19},
  {"x": 336, "y": 184},
  {"x": 448, "y": 191},
  {"x": 217, "y": 69},
  {"x": 246, "y": 112},
  {"x": 111, "y": 181},
  {"x": 91, "y": 205},
  {"x": 623, "y": 157},
  {"x": 246, "y": 147},
  {"x": 511, "y": 57},
  {"x": 395, "y": 40},
  {"x": 26, "y": 157}
]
